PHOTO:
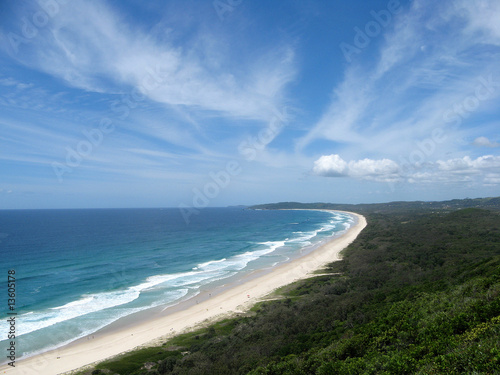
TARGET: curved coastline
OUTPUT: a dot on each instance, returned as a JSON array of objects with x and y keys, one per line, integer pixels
[{"x": 208, "y": 307}]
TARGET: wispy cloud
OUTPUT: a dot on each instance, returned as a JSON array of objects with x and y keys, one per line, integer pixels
[
  {"x": 92, "y": 47},
  {"x": 485, "y": 142},
  {"x": 186, "y": 93},
  {"x": 434, "y": 58},
  {"x": 172, "y": 94},
  {"x": 11, "y": 82}
]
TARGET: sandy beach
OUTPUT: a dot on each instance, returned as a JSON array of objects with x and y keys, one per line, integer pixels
[{"x": 200, "y": 310}]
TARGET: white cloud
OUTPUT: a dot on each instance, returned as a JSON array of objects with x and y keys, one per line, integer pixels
[
  {"x": 10, "y": 82},
  {"x": 384, "y": 104},
  {"x": 91, "y": 47},
  {"x": 368, "y": 169},
  {"x": 466, "y": 164},
  {"x": 481, "y": 170},
  {"x": 492, "y": 179},
  {"x": 484, "y": 169},
  {"x": 455, "y": 165},
  {"x": 485, "y": 142},
  {"x": 330, "y": 166},
  {"x": 379, "y": 170},
  {"x": 483, "y": 17}
]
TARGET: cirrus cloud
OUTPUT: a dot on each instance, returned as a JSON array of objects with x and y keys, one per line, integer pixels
[{"x": 96, "y": 50}]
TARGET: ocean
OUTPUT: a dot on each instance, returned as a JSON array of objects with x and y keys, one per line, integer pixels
[{"x": 78, "y": 271}]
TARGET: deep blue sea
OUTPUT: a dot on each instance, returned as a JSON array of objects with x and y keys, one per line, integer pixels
[{"x": 78, "y": 271}]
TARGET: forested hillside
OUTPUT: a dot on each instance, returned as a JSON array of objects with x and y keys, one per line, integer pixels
[
  {"x": 416, "y": 293},
  {"x": 392, "y": 207}
]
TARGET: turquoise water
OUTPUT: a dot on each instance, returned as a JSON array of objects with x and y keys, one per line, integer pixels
[{"x": 78, "y": 271}]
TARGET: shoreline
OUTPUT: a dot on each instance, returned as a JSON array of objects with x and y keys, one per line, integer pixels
[{"x": 206, "y": 307}]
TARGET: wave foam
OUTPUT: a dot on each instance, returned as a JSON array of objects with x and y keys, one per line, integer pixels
[{"x": 180, "y": 282}]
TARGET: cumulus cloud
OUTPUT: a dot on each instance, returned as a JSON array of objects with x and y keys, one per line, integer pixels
[
  {"x": 485, "y": 142},
  {"x": 484, "y": 169},
  {"x": 384, "y": 169},
  {"x": 330, "y": 166},
  {"x": 368, "y": 169},
  {"x": 487, "y": 162}
]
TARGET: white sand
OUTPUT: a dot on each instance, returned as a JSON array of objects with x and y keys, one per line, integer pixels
[{"x": 237, "y": 298}]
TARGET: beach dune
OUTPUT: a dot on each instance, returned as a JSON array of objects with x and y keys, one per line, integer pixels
[{"x": 189, "y": 315}]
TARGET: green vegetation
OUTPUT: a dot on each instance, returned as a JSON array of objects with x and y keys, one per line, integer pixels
[
  {"x": 418, "y": 292},
  {"x": 392, "y": 207}
]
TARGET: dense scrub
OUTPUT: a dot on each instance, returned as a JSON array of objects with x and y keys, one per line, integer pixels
[{"x": 415, "y": 293}]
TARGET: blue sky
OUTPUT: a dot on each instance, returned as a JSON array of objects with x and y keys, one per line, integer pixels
[{"x": 211, "y": 103}]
